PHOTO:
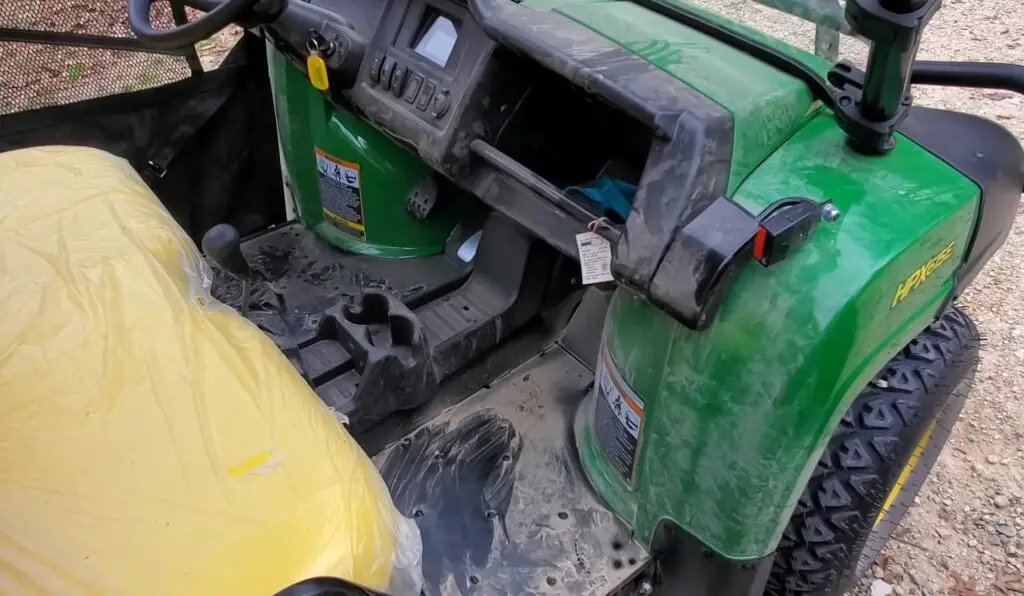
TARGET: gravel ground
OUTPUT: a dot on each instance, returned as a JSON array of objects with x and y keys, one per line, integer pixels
[{"x": 965, "y": 536}]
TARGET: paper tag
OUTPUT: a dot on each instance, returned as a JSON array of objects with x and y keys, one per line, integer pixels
[{"x": 595, "y": 258}]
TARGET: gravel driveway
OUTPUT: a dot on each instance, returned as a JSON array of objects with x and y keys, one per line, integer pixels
[{"x": 965, "y": 536}]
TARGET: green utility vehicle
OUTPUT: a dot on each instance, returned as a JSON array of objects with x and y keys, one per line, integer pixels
[{"x": 621, "y": 297}]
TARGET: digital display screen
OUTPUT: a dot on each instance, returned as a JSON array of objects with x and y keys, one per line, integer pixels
[{"x": 437, "y": 38}]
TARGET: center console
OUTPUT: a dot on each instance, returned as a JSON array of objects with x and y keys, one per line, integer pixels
[{"x": 430, "y": 80}]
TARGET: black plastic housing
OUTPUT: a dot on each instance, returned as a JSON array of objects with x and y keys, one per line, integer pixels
[
  {"x": 702, "y": 262},
  {"x": 870, "y": 107}
]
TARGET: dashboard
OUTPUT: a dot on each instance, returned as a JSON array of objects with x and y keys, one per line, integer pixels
[
  {"x": 420, "y": 65},
  {"x": 474, "y": 92},
  {"x": 432, "y": 79}
]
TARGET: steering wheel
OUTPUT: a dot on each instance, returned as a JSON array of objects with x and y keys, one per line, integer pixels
[{"x": 181, "y": 36}]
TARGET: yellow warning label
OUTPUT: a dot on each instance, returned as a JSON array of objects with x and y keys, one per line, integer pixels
[
  {"x": 341, "y": 193},
  {"x": 618, "y": 417}
]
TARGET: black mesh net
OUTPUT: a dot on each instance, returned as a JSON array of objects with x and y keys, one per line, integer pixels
[{"x": 36, "y": 75}]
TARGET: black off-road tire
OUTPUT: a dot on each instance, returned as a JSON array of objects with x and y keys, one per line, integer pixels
[{"x": 831, "y": 537}]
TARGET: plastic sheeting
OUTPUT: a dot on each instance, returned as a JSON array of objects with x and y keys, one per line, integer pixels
[{"x": 151, "y": 440}]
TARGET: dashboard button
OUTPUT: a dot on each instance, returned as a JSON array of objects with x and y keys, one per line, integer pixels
[
  {"x": 397, "y": 79},
  {"x": 426, "y": 94},
  {"x": 386, "y": 70},
  {"x": 415, "y": 80},
  {"x": 442, "y": 101},
  {"x": 374, "y": 73}
]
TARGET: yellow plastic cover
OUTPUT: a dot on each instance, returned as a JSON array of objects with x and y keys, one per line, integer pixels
[{"x": 152, "y": 441}]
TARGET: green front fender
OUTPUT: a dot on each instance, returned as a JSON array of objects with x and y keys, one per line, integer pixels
[{"x": 734, "y": 417}]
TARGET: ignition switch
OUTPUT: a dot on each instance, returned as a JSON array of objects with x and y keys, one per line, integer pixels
[{"x": 317, "y": 44}]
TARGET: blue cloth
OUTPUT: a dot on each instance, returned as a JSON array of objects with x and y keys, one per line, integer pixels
[{"x": 610, "y": 194}]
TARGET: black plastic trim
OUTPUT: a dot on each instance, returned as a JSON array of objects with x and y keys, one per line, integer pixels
[
  {"x": 686, "y": 170},
  {"x": 702, "y": 262},
  {"x": 557, "y": 43},
  {"x": 327, "y": 586},
  {"x": 988, "y": 154},
  {"x": 687, "y": 566},
  {"x": 528, "y": 178},
  {"x": 763, "y": 52}
]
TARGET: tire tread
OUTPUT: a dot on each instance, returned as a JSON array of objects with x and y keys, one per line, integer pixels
[{"x": 827, "y": 531}]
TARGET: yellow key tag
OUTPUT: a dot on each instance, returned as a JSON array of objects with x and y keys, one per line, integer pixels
[{"x": 317, "y": 72}]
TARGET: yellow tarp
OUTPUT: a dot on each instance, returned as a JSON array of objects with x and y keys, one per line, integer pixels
[{"x": 151, "y": 440}]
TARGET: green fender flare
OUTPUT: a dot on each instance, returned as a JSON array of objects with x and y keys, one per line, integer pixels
[{"x": 735, "y": 416}]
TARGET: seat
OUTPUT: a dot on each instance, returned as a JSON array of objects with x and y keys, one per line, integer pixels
[{"x": 153, "y": 440}]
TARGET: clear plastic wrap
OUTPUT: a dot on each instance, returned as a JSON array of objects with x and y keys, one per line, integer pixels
[{"x": 152, "y": 440}]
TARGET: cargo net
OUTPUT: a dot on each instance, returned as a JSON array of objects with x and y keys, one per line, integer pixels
[{"x": 37, "y": 75}]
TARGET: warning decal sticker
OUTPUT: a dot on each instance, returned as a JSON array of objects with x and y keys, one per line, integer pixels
[
  {"x": 340, "y": 193},
  {"x": 618, "y": 418}
]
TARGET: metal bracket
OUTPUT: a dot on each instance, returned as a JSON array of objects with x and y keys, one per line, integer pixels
[
  {"x": 865, "y": 135},
  {"x": 870, "y": 105}
]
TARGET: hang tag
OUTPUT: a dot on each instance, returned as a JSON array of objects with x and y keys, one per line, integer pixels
[
  {"x": 595, "y": 258},
  {"x": 317, "y": 72}
]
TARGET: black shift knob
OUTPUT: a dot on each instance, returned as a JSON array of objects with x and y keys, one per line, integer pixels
[{"x": 223, "y": 246}]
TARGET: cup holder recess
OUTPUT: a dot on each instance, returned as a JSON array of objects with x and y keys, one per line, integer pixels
[{"x": 389, "y": 349}]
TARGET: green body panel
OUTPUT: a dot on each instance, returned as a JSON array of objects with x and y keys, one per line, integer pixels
[
  {"x": 816, "y": 62},
  {"x": 767, "y": 105},
  {"x": 736, "y": 415},
  {"x": 809, "y": 9},
  {"x": 387, "y": 171}
]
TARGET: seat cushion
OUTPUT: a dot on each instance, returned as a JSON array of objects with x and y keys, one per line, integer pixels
[{"x": 154, "y": 441}]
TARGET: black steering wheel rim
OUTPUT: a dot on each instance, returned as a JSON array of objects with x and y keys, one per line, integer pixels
[{"x": 188, "y": 34}]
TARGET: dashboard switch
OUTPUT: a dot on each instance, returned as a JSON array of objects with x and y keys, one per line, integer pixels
[
  {"x": 442, "y": 101},
  {"x": 426, "y": 94},
  {"x": 386, "y": 70},
  {"x": 397, "y": 79},
  {"x": 415, "y": 80},
  {"x": 374, "y": 73}
]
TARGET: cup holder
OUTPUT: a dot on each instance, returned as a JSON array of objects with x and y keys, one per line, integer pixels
[
  {"x": 375, "y": 310},
  {"x": 372, "y": 308},
  {"x": 388, "y": 348}
]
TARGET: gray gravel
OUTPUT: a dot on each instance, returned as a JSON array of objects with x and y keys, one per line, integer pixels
[{"x": 965, "y": 536}]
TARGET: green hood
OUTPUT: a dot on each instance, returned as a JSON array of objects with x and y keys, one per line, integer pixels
[{"x": 767, "y": 105}]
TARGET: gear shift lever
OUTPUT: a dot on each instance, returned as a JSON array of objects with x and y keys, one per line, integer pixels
[{"x": 223, "y": 246}]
